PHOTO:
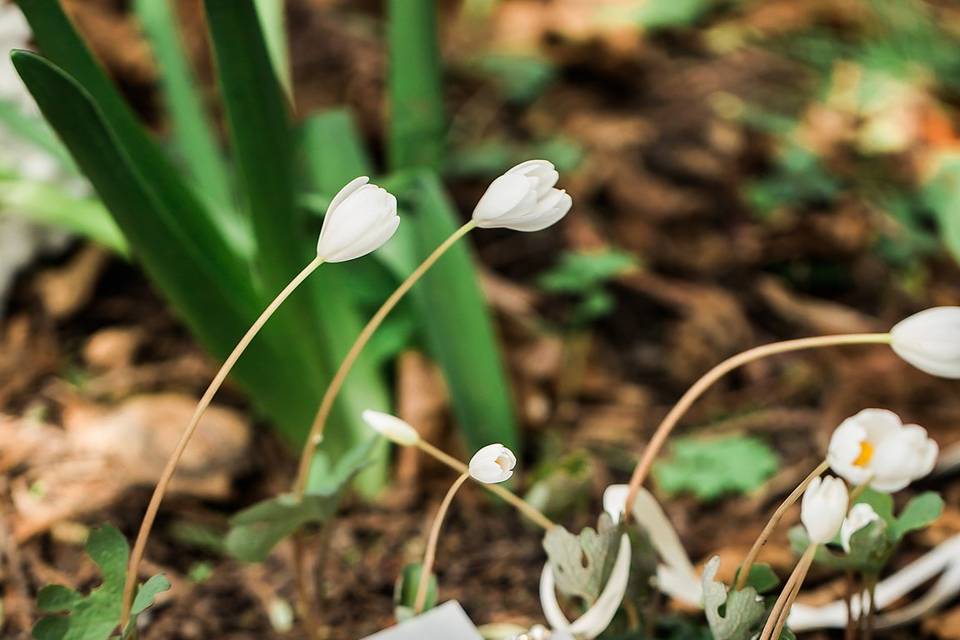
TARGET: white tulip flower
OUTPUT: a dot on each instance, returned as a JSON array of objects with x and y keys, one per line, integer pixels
[
  {"x": 523, "y": 199},
  {"x": 391, "y": 427},
  {"x": 930, "y": 341},
  {"x": 823, "y": 508},
  {"x": 861, "y": 515},
  {"x": 492, "y": 464},
  {"x": 874, "y": 447},
  {"x": 360, "y": 219}
]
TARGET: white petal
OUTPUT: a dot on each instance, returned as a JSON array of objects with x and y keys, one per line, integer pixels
[
  {"x": 358, "y": 221},
  {"x": 930, "y": 341},
  {"x": 502, "y": 196},
  {"x": 391, "y": 427},
  {"x": 543, "y": 219},
  {"x": 492, "y": 464}
]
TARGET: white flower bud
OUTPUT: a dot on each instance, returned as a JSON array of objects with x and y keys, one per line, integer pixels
[
  {"x": 874, "y": 447},
  {"x": 615, "y": 500},
  {"x": 523, "y": 199},
  {"x": 823, "y": 508},
  {"x": 861, "y": 515},
  {"x": 930, "y": 341},
  {"x": 391, "y": 427},
  {"x": 492, "y": 464},
  {"x": 360, "y": 219}
]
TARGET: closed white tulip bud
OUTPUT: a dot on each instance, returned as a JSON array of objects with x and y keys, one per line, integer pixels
[
  {"x": 874, "y": 447},
  {"x": 360, "y": 219},
  {"x": 861, "y": 515},
  {"x": 523, "y": 199},
  {"x": 391, "y": 427},
  {"x": 930, "y": 341},
  {"x": 823, "y": 508},
  {"x": 492, "y": 464}
]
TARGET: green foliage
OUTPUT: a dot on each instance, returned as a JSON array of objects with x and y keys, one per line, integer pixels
[
  {"x": 96, "y": 615},
  {"x": 561, "y": 483},
  {"x": 798, "y": 178},
  {"x": 582, "y": 563},
  {"x": 522, "y": 78},
  {"x": 762, "y": 578},
  {"x": 732, "y": 616},
  {"x": 584, "y": 276},
  {"x": 919, "y": 513},
  {"x": 405, "y": 592},
  {"x": 712, "y": 467}
]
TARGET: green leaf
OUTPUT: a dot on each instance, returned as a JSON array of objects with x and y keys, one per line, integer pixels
[
  {"x": 96, "y": 615},
  {"x": 870, "y": 549},
  {"x": 33, "y": 130},
  {"x": 216, "y": 303},
  {"x": 458, "y": 327},
  {"x": 417, "y": 121},
  {"x": 194, "y": 141},
  {"x": 582, "y": 272},
  {"x": 712, "y": 467},
  {"x": 921, "y": 511},
  {"x": 882, "y": 504},
  {"x": 731, "y": 616},
  {"x": 762, "y": 578},
  {"x": 273, "y": 24},
  {"x": 582, "y": 563},
  {"x": 522, "y": 78},
  {"x": 559, "y": 486},
  {"x": 405, "y": 592}
]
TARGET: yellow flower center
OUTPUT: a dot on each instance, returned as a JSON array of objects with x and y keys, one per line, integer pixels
[{"x": 866, "y": 454}]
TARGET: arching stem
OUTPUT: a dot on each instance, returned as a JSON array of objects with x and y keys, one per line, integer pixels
[
  {"x": 781, "y": 609},
  {"x": 430, "y": 554},
  {"x": 326, "y": 404},
  {"x": 153, "y": 507},
  {"x": 773, "y": 522},
  {"x": 663, "y": 431}
]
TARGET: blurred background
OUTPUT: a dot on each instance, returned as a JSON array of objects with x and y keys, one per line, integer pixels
[{"x": 742, "y": 172}]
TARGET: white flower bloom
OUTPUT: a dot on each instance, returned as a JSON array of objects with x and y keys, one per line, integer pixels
[
  {"x": 823, "y": 508},
  {"x": 874, "y": 447},
  {"x": 391, "y": 427},
  {"x": 523, "y": 199},
  {"x": 930, "y": 341},
  {"x": 598, "y": 617},
  {"x": 360, "y": 219},
  {"x": 615, "y": 500},
  {"x": 861, "y": 515},
  {"x": 492, "y": 464}
]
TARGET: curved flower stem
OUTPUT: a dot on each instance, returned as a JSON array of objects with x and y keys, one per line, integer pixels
[
  {"x": 431, "y": 553},
  {"x": 660, "y": 436},
  {"x": 151, "y": 513},
  {"x": 326, "y": 404},
  {"x": 508, "y": 496},
  {"x": 773, "y": 522},
  {"x": 781, "y": 609}
]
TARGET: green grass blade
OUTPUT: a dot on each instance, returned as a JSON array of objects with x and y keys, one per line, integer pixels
[
  {"x": 193, "y": 139},
  {"x": 61, "y": 44},
  {"x": 216, "y": 307},
  {"x": 273, "y": 23},
  {"x": 459, "y": 328},
  {"x": 32, "y": 130},
  {"x": 417, "y": 123},
  {"x": 49, "y": 204}
]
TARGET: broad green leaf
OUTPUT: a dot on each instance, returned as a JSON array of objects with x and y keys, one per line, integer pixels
[
  {"x": 405, "y": 592},
  {"x": 194, "y": 140},
  {"x": 273, "y": 24},
  {"x": 882, "y": 504},
  {"x": 712, "y": 467},
  {"x": 96, "y": 615},
  {"x": 582, "y": 563},
  {"x": 417, "y": 121},
  {"x": 921, "y": 511},
  {"x": 870, "y": 549},
  {"x": 49, "y": 204},
  {"x": 457, "y": 323},
  {"x": 734, "y": 615},
  {"x": 216, "y": 306}
]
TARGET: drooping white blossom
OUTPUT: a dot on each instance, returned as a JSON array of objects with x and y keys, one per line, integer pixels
[
  {"x": 391, "y": 427},
  {"x": 492, "y": 464},
  {"x": 874, "y": 447},
  {"x": 823, "y": 508},
  {"x": 930, "y": 341},
  {"x": 861, "y": 515},
  {"x": 523, "y": 199},
  {"x": 360, "y": 219}
]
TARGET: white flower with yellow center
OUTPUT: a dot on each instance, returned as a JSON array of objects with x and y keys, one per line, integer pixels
[
  {"x": 492, "y": 464},
  {"x": 875, "y": 448}
]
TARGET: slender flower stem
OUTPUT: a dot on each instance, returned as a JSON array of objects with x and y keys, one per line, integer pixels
[
  {"x": 431, "y": 553},
  {"x": 326, "y": 403},
  {"x": 660, "y": 436},
  {"x": 781, "y": 609},
  {"x": 508, "y": 496},
  {"x": 773, "y": 522},
  {"x": 151, "y": 513}
]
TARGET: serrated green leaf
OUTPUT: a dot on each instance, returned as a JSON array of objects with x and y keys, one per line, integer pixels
[
  {"x": 582, "y": 563},
  {"x": 742, "y": 610},
  {"x": 96, "y": 615},
  {"x": 712, "y": 467},
  {"x": 405, "y": 592},
  {"x": 921, "y": 511}
]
